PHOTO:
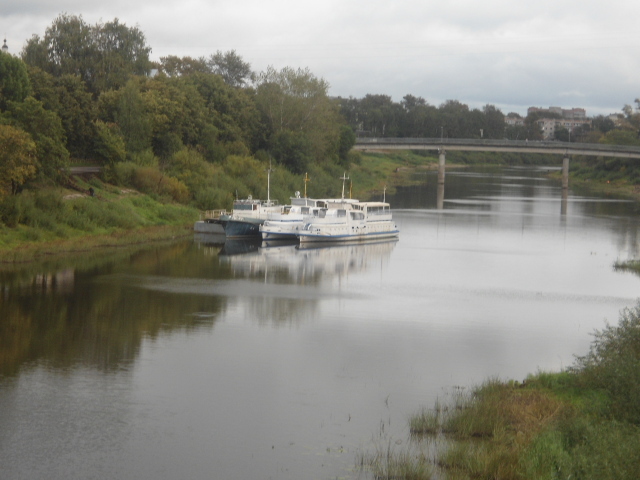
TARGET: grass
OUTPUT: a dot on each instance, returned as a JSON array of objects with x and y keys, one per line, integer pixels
[
  {"x": 53, "y": 221},
  {"x": 580, "y": 423}
]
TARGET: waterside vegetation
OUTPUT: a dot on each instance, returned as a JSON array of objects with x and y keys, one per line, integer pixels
[{"x": 583, "y": 422}]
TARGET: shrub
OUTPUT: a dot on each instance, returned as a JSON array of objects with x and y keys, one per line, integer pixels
[{"x": 613, "y": 364}]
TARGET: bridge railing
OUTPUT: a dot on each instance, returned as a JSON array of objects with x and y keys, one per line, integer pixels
[{"x": 443, "y": 142}]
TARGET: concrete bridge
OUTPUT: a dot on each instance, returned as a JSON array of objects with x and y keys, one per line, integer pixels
[{"x": 441, "y": 145}]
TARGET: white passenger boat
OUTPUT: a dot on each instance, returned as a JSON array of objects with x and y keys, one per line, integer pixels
[
  {"x": 362, "y": 221},
  {"x": 286, "y": 225}
]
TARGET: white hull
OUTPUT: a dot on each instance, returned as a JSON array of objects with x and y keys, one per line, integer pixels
[
  {"x": 363, "y": 222},
  {"x": 337, "y": 236},
  {"x": 287, "y": 225}
]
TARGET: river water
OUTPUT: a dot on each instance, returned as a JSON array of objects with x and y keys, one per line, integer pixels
[{"x": 202, "y": 361}]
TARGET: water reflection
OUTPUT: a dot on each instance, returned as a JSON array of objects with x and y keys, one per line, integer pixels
[
  {"x": 98, "y": 316},
  {"x": 290, "y": 263},
  {"x": 74, "y": 316}
]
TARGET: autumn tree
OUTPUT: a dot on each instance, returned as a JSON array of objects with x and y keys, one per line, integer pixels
[
  {"x": 17, "y": 159},
  {"x": 45, "y": 128}
]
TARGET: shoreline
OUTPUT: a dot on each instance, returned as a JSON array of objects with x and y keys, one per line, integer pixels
[
  {"x": 33, "y": 251},
  {"x": 37, "y": 251}
]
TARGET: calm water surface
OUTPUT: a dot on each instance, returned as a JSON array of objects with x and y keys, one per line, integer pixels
[{"x": 201, "y": 361}]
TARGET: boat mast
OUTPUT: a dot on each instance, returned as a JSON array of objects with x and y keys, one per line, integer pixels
[
  {"x": 269, "y": 183},
  {"x": 344, "y": 179},
  {"x": 306, "y": 179}
]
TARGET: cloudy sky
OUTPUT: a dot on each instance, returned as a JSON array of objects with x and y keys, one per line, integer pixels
[{"x": 508, "y": 53}]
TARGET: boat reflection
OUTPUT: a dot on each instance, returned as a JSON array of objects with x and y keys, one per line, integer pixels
[{"x": 292, "y": 263}]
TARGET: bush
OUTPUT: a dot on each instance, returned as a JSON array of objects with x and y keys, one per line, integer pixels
[{"x": 613, "y": 364}]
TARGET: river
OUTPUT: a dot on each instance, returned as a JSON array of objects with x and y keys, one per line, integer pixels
[{"x": 197, "y": 360}]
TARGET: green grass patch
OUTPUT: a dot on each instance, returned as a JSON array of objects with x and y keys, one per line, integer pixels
[{"x": 55, "y": 221}]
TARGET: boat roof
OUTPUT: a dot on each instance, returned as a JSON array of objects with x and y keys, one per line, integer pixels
[{"x": 374, "y": 204}]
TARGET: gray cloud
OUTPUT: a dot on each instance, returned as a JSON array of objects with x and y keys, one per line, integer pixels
[{"x": 570, "y": 53}]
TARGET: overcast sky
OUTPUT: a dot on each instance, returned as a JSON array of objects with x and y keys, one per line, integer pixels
[{"x": 508, "y": 53}]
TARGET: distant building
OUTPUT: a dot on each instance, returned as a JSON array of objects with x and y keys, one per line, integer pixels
[
  {"x": 571, "y": 118},
  {"x": 5, "y": 48},
  {"x": 514, "y": 121},
  {"x": 569, "y": 113}
]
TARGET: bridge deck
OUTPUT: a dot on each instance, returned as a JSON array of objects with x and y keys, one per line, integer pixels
[{"x": 482, "y": 145}]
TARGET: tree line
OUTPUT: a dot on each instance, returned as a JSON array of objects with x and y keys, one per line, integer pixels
[{"x": 90, "y": 93}]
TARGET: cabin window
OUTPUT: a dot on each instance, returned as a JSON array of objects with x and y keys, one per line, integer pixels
[
  {"x": 342, "y": 213},
  {"x": 304, "y": 210},
  {"x": 243, "y": 206}
]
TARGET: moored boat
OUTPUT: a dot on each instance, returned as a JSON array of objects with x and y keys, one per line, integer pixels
[
  {"x": 286, "y": 225},
  {"x": 361, "y": 222},
  {"x": 291, "y": 221},
  {"x": 212, "y": 221},
  {"x": 248, "y": 215}
]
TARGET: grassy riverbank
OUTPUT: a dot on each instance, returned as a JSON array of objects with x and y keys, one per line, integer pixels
[
  {"x": 581, "y": 423},
  {"x": 51, "y": 221}
]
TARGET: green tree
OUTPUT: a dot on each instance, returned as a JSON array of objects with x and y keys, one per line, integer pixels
[
  {"x": 346, "y": 142},
  {"x": 47, "y": 132},
  {"x": 292, "y": 149},
  {"x": 621, "y": 137},
  {"x": 108, "y": 143},
  {"x": 68, "y": 96},
  {"x": 173, "y": 66},
  {"x": 132, "y": 118},
  {"x": 562, "y": 134},
  {"x": 494, "y": 122},
  {"x": 102, "y": 55},
  {"x": 454, "y": 118},
  {"x": 602, "y": 123},
  {"x": 378, "y": 115},
  {"x": 14, "y": 80},
  {"x": 230, "y": 66},
  {"x": 296, "y": 101},
  {"x": 17, "y": 159},
  {"x": 233, "y": 123}
]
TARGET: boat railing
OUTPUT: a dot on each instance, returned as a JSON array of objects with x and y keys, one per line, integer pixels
[{"x": 212, "y": 214}]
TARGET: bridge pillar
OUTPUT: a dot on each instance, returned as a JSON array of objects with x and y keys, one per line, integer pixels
[
  {"x": 441, "y": 160},
  {"x": 565, "y": 172}
]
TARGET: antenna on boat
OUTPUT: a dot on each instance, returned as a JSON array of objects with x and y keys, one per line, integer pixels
[
  {"x": 344, "y": 178},
  {"x": 269, "y": 170},
  {"x": 384, "y": 194},
  {"x": 306, "y": 179}
]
